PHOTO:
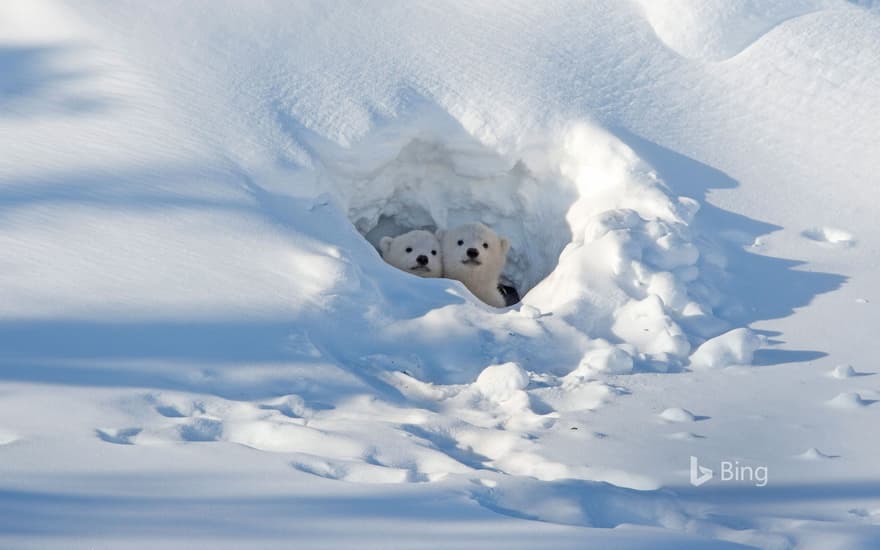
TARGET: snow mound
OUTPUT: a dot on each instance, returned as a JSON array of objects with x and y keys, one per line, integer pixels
[
  {"x": 815, "y": 454},
  {"x": 677, "y": 414},
  {"x": 830, "y": 236},
  {"x": 848, "y": 400},
  {"x": 685, "y": 436},
  {"x": 736, "y": 347},
  {"x": 7, "y": 437},
  {"x": 501, "y": 382},
  {"x": 608, "y": 360},
  {"x": 843, "y": 371}
]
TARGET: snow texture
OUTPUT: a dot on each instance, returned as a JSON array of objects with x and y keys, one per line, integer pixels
[{"x": 201, "y": 346}]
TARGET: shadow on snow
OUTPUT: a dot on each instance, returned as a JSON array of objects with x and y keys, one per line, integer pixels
[{"x": 756, "y": 287}]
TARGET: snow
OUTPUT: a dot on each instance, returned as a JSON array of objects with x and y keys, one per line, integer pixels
[
  {"x": 844, "y": 371},
  {"x": 201, "y": 347},
  {"x": 677, "y": 414},
  {"x": 849, "y": 400},
  {"x": 830, "y": 236},
  {"x": 815, "y": 454},
  {"x": 715, "y": 31},
  {"x": 502, "y": 382},
  {"x": 736, "y": 347}
]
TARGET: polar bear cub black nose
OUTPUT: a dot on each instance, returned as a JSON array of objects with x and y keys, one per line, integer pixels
[
  {"x": 473, "y": 252},
  {"x": 422, "y": 260}
]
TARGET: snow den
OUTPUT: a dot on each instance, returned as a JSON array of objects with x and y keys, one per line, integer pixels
[{"x": 596, "y": 238}]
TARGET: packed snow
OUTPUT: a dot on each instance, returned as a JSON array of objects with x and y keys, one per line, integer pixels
[{"x": 202, "y": 347}]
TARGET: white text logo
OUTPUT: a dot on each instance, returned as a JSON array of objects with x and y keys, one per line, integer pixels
[{"x": 729, "y": 471}]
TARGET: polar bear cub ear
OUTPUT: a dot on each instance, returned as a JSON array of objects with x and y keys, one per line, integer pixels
[
  {"x": 505, "y": 245},
  {"x": 385, "y": 245}
]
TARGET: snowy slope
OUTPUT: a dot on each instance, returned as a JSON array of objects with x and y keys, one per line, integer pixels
[{"x": 202, "y": 347}]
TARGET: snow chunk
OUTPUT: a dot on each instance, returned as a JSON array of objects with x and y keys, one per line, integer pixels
[
  {"x": 530, "y": 312},
  {"x": 676, "y": 414},
  {"x": 848, "y": 400},
  {"x": 815, "y": 454},
  {"x": 736, "y": 347},
  {"x": 7, "y": 437},
  {"x": 577, "y": 394},
  {"x": 830, "y": 236},
  {"x": 843, "y": 371},
  {"x": 610, "y": 360},
  {"x": 502, "y": 382},
  {"x": 645, "y": 324}
]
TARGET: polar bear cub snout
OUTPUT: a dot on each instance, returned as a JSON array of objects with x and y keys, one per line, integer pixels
[
  {"x": 417, "y": 252},
  {"x": 475, "y": 255}
]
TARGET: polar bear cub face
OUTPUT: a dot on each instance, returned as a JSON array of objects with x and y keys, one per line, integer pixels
[
  {"x": 475, "y": 255},
  {"x": 416, "y": 252}
]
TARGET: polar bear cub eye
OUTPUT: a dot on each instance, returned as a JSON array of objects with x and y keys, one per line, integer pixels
[{"x": 408, "y": 249}]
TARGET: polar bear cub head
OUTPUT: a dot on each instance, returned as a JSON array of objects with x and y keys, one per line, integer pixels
[
  {"x": 475, "y": 255},
  {"x": 416, "y": 252}
]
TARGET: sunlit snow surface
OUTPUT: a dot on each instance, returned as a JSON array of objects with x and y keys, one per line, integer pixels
[{"x": 201, "y": 347}]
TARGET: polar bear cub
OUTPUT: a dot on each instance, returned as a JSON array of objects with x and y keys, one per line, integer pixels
[
  {"x": 416, "y": 252},
  {"x": 475, "y": 255}
]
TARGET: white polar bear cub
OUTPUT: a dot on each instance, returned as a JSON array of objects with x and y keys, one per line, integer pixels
[
  {"x": 475, "y": 255},
  {"x": 416, "y": 252}
]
